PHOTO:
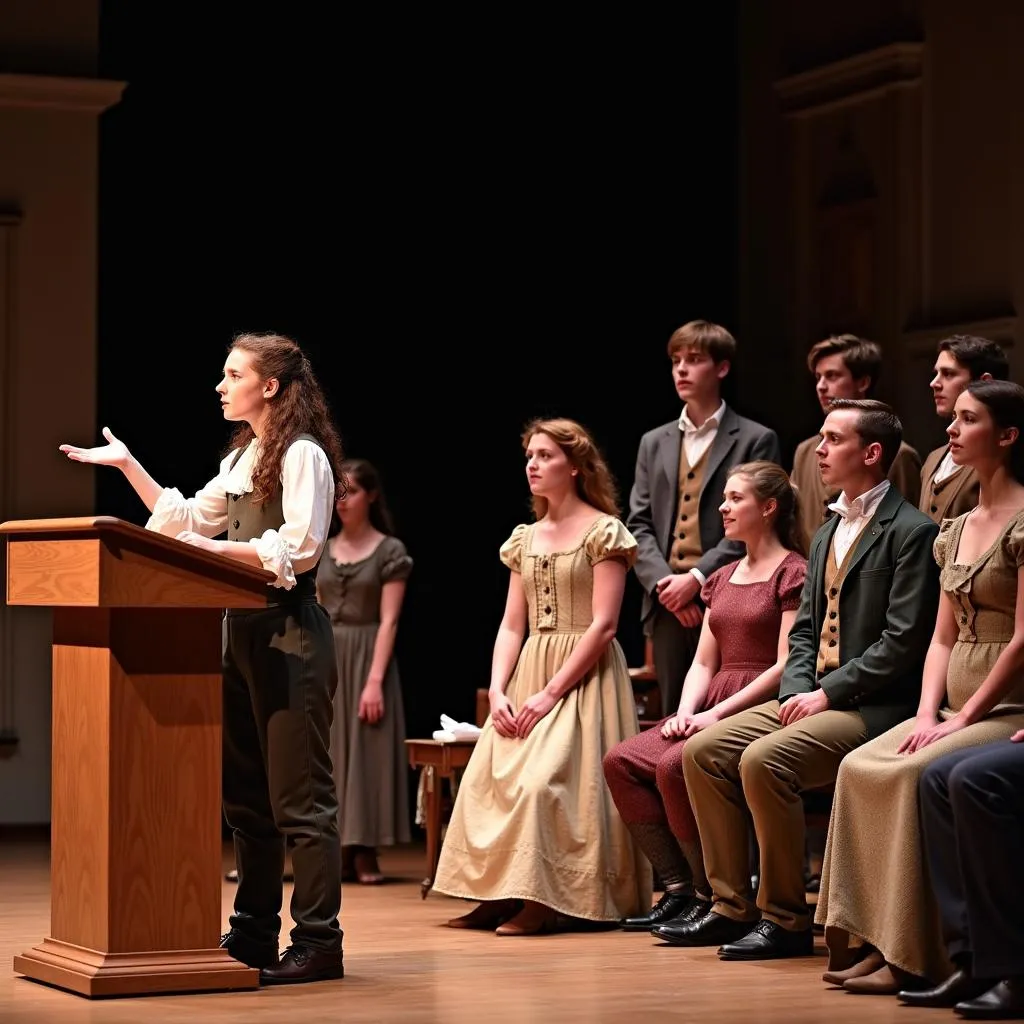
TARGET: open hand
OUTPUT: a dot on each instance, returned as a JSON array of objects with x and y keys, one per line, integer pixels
[
  {"x": 113, "y": 453},
  {"x": 924, "y": 734},
  {"x": 503, "y": 715},
  {"x": 371, "y": 704},
  {"x": 533, "y": 711}
]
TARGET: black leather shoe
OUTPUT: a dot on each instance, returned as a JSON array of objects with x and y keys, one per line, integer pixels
[
  {"x": 248, "y": 951},
  {"x": 769, "y": 941},
  {"x": 958, "y": 987},
  {"x": 1003, "y": 1002},
  {"x": 696, "y": 910},
  {"x": 300, "y": 963},
  {"x": 669, "y": 907},
  {"x": 710, "y": 930}
]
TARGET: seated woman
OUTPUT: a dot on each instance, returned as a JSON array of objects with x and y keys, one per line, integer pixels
[
  {"x": 534, "y": 834},
  {"x": 740, "y": 656},
  {"x": 874, "y": 888}
]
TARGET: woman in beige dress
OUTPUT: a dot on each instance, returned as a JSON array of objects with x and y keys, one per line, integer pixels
[
  {"x": 875, "y": 901},
  {"x": 534, "y": 835}
]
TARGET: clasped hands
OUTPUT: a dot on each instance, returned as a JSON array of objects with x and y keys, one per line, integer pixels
[
  {"x": 512, "y": 724},
  {"x": 677, "y": 592}
]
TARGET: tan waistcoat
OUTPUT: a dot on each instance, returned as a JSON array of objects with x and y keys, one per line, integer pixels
[
  {"x": 686, "y": 548},
  {"x": 835, "y": 576}
]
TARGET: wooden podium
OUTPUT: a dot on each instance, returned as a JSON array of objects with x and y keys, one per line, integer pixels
[{"x": 136, "y": 821}]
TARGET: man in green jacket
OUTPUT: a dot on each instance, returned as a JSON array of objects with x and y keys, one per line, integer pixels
[{"x": 856, "y": 653}]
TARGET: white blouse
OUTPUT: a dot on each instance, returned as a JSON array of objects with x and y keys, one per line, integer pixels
[{"x": 307, "y": 501}]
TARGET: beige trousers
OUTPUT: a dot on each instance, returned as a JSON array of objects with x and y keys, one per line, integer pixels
[{"x": 752, "y": 763}]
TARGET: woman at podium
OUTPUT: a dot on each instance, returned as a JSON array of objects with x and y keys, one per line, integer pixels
[{"x": 273, "y": 496}]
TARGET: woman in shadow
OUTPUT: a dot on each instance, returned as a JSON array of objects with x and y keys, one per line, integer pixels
[{"x": 362, "y": 585}]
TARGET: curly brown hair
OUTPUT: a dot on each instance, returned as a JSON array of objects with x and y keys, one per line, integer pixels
[
  {"x": 594, "y": 481},
  {"x": 298, "y": 407}
]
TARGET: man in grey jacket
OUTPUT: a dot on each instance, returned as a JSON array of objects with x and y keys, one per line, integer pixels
[{"x": 681, "y": 469}]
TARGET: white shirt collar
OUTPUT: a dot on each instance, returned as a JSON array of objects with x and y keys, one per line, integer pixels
[
  {"x": 863, "y": 506},
  {"x": 687, "y": 426}
]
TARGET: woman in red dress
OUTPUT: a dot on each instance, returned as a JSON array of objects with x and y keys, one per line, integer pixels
[{"x": 751, "y": 605}]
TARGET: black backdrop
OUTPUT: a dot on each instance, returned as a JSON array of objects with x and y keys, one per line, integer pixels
[{"x": 465, "y": 225}]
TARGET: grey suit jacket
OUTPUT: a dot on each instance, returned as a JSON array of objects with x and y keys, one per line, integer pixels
[
  {"x": 887, "y": 609},
  {"x": 654, "y": 499}
]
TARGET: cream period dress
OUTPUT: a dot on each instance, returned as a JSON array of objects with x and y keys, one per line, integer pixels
[
  {"x": 533, "y": 818},
  {"x": 874, "y": 885}
]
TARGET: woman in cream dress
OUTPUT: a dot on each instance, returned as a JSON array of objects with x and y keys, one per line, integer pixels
[
  {"x": 874, "y": 889},
  {"x": 534, "y": 834}
]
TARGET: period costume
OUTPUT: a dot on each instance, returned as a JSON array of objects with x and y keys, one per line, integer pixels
[
  {"x": 681, "y": 472},
  {"x": 533, "y": 819},
  {"x": 371, "y": 770},
  {"x": 873, "y": 885}
]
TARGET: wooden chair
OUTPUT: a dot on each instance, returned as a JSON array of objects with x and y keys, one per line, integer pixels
[{"x": 645, "y": 689}]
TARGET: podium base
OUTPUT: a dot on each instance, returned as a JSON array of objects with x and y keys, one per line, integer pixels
[{"x": 91, "y": 973}]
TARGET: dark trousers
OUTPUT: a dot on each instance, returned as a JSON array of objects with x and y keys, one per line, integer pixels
[
  {"x": 674, "y": 647},
  {"x": 972, "y": 819},
  {"x": 280, "y": 675}
]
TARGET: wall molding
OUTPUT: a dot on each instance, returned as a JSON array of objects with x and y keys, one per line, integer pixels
[
  {"x": 9, "y": 221},
  {"x": 852, "y": 81},
  {"x": 47, "y": 92},
  {"x": 921, "y": 341}
]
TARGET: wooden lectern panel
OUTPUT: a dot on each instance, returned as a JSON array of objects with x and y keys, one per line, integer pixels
[{"x": 135, "y": 832}]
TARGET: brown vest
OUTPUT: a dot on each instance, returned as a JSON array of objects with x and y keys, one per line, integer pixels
[
  {"x": 247, "y": 520},
  {"x": 686, "y": 548},
  {"x": 956, "y": 494},
  {"x": 835, "y": 576}
]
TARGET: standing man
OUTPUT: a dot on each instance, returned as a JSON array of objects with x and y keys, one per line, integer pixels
[
  {"x": 681, "y": 469},
  {"x": 949, "y": 490},
  {"x": 844, "y": 366},
  {"x": 856, "y": 652}
]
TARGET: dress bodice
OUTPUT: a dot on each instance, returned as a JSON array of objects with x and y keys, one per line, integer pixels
[
  {"x": 559, "y": 585},
  {"x": 350, "y": 591}
]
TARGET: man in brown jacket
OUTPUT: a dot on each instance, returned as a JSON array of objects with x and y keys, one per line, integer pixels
[
  {"x": 844, "y": 366},
  {"x": 949, "y": 490}
]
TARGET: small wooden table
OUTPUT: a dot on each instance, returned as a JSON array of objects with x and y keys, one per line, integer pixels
[{"x": 439, "y": 760}]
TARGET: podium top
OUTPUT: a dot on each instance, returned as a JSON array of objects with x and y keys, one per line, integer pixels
[{"x": 40, "y": 575}]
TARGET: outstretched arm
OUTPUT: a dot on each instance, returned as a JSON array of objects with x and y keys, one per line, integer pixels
[{"x": 115, "y": 453}]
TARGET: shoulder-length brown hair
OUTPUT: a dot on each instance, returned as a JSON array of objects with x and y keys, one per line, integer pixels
[
  {"x": 298, "y": 407},
  {"x": 594, "y": 481}
]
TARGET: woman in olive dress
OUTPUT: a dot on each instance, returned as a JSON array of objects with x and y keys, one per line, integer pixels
[{"x": 361, "y": 582}]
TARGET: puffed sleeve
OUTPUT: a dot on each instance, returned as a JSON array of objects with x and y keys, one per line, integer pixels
[
  {"x": 511, "y": 552},
  {"x": 791, "y": 582},
  {"x": 611, "y": 539},
  {"x": 711, "y": 584},
  {"x": 395, "y": 561},
  {"x": 941, "y": 544},
  {"x": 1014, "y": 542}
]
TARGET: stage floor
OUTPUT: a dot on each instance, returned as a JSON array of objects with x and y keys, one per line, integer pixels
[{"x": 402, "y": 965}]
